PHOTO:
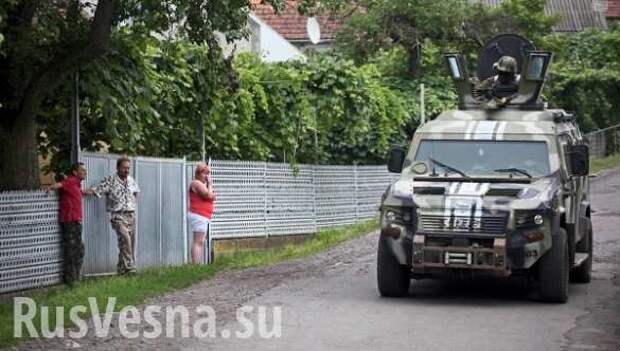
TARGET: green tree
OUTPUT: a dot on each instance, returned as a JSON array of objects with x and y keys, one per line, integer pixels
[
  {"x": 449, "y": 24},
  {"x": 585, "y": 77},
  {"x": 44, "y": 42}
]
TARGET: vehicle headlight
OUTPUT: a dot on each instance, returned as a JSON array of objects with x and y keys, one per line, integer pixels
[
  {"x": 528, "y": 218},
  {"x": 538, "y": 219},
  {"x": 398, "y": 215}
]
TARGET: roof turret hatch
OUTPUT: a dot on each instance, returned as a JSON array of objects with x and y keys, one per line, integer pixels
[{"x": 510, "y": 73}]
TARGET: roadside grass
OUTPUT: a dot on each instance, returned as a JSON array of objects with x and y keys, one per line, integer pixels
[
  {"x": 134, "y": 290},
  {"x": 597, "y": 165}
]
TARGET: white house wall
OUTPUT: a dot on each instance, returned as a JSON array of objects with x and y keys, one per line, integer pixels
[
  {"x": 264, "y": 41},
  {"x": 273, "y": 47}
]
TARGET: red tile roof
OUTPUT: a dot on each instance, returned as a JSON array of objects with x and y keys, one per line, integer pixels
[
  {"x": 613, "y": 8},
  {"x": 290, "y": 24}
]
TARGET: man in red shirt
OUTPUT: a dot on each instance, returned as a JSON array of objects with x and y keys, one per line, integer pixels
[{"x": 70, "y": 218}]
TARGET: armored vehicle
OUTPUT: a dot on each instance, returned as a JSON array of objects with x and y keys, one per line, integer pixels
[{"x": 498, "y": 186}]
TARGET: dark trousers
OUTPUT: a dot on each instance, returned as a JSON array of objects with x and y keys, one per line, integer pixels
[{"x": 73, "y": 251}]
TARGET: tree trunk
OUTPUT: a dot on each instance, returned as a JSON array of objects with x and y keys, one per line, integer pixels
[
  {"x": 19, "y": 156},
  {"x": 19, "y": 161},
  {"x": 414, "y": 57}
]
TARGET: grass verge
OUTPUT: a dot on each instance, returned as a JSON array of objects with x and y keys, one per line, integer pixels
[
  {"x": 597, "y": 165},
  {"x": 132, "y": 291}
]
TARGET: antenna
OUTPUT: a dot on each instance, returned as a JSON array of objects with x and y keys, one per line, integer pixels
[{"x": 313, "y": 29}]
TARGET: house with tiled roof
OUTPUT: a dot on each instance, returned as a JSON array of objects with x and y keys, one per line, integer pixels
[
  {"x": 283, "y": 36},
  {"x": 613, "y": 10},
  {"x": 292, "y": 26},
  {"x": 264, "y": 41}
]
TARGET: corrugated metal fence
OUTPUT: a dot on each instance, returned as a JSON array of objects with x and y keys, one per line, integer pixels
[
  {"x": 30, "y": 241},
  {"x": 160, "y": 227},
  {"x": 604, "y": 142},
  {"x": 257, "y": 199},
  {"x": 254, "y": 199}
]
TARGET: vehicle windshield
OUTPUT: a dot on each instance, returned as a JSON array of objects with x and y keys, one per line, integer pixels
[{"x": 487, "y": 157}]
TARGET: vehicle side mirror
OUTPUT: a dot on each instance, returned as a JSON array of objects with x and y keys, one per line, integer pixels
[
  {"x": 579, "y": 159},
  {"x": 396, "y": 158}
]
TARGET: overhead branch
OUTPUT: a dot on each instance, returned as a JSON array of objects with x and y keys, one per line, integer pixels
[{"x": 50, "y": 75}]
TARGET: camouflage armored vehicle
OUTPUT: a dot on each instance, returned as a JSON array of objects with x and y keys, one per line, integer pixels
[{"x": 499, "y": 186}]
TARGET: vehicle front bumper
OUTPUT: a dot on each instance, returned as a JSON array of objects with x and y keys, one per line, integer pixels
[
  {"x": 503, "y": 255},
  {"x": 426, "y": 257}
]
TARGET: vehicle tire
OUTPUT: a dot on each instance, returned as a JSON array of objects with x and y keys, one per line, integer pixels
[
  {"x": 583, "y": 273},
  {"x": 392, "y": 277},
  {"x": 553, "y": 270}
]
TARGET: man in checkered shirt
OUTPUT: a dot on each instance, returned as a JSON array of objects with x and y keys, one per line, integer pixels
[{"x": 121, "y": 192}]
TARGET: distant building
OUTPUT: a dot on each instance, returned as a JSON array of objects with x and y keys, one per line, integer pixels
[
  {"x": 281, "y": 37},
  {"x": 292, "y": 26},
  {"x": 613, "y": 10},
  {"x": 575, "y": 15}
]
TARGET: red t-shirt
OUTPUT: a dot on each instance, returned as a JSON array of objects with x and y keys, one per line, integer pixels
[
  {"x": 70, "y": 200},
  {"x": 199, "y": 205}
]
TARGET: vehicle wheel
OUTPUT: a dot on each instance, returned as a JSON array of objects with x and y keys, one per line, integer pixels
[
  {"x": 583, "y": 273},
  {"x": 392, "y": 278},
  {"x": 553, "y": 270}
]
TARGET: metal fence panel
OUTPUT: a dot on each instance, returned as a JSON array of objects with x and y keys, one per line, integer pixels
[
  {"x": 604, "y": 142},
  {"x": 240, "y": 206},
  {"x": 160, "y": 222},
  {"x": 289, "y": 199},
  {"x": 148, "y": 238},
  {"x": 30, "y": 240},
  {"x": 173, "y": 213},
  {"x": 335, "y": 188},
  {"x": 101, "y": 249}
]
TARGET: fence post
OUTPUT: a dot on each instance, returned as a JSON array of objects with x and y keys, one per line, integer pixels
[
  {"x": 265, "y": 199},
  {"x": 316, "y": 227},
  {"x": 356, "y": 193},
  {"x": 160, "y": 210},
  {"x": 136, "y": 171},
  {"x": 184, "y": 214}
]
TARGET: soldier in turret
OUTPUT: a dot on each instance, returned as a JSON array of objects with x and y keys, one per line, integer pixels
[{"x": 501, "y": 88}]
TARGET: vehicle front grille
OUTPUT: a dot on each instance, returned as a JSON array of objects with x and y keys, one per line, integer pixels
[{"x": 492, "y": 225}]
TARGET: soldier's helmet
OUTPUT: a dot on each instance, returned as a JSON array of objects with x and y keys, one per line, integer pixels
[{"x": 506, "y": 64}]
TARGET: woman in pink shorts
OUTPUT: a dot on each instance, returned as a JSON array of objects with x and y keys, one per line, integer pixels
[{"x": 201, "y": 199}]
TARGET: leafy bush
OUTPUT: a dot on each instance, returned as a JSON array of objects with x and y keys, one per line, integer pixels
[
  {"x": 585, "y": 78},
  {"x": 150, "y": 98}
]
